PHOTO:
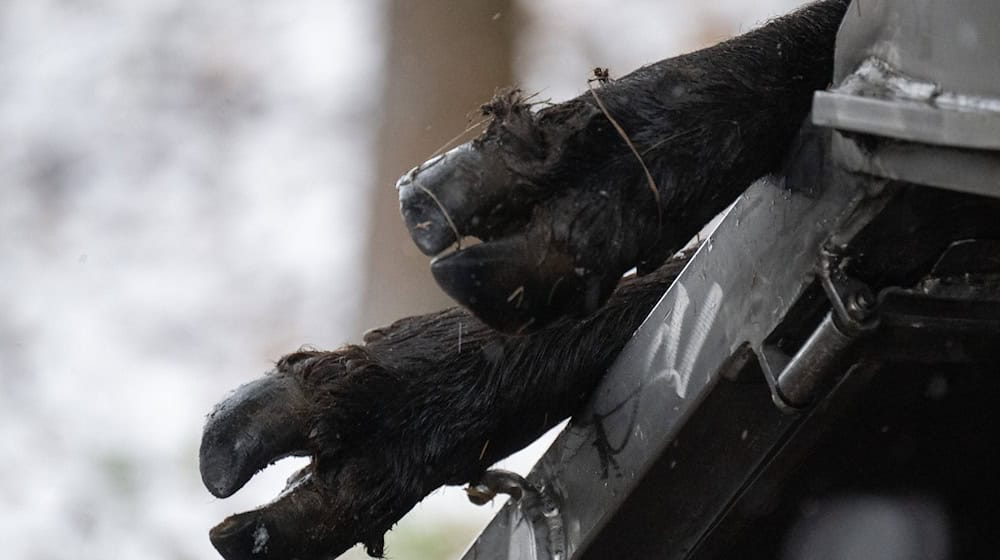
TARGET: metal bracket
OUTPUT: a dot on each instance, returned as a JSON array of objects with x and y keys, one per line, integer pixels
[
  {"x": 853, "y": 302},
  {"x": 536, "y": 503},
  {"x": 797, "y": 380}
]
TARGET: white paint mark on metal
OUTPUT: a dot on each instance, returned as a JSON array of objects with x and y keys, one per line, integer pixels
[{"x": 668, "y": 349}]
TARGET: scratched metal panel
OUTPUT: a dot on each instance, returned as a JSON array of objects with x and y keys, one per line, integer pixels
[{"x": 735, "y": 290}]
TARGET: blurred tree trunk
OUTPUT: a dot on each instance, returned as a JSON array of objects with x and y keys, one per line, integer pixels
[{"x": 445, "y": 58}]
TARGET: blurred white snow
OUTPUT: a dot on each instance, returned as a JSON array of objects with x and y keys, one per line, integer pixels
[{"x": 179, "y": 191}]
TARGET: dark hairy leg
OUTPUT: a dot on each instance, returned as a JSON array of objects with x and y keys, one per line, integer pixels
[
  {"x": 563, "y": 203},
  {"x": 429, "y": 400}
]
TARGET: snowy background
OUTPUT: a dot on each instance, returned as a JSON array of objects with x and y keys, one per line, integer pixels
[{"x": 181, "y": 185}]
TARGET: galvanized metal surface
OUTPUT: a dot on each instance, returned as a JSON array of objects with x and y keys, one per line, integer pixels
[
  {"x": 971, "y": 171},
  {"x": 910, "y": 120},
  {"x": 952, "y": 44},
  {"x": 879, "y": 99},
  {"x": 918, "y": 71}
]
